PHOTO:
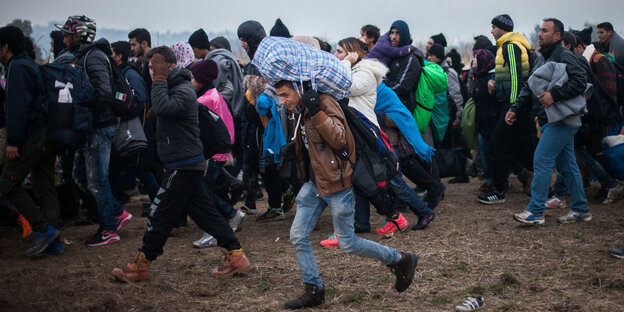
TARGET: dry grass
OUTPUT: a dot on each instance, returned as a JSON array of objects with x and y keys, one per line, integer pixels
[{"x": 470, "y": 249}]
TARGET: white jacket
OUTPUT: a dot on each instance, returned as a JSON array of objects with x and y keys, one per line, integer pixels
[{"x": 366, "y": 76}]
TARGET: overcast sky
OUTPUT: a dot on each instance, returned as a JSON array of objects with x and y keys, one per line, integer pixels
[{"x": 333, "y": 20}]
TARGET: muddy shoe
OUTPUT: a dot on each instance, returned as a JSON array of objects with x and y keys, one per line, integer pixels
[
  {"x": 404, "y": 271},
  {"x": 136, "y": 271},
  {"x": 42, "y": 240},
  {"x": 288, "y": 199},
  {"x": 312, "y": 296},
  {"x": 235, "y": 263}
]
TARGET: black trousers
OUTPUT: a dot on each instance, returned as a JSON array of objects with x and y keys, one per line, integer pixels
[
  {"x": 425, "y": 175},
  {"x": 182, "y": 192}
]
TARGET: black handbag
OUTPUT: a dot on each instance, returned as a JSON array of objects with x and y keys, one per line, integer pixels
[{"x": 451, "y": 162}]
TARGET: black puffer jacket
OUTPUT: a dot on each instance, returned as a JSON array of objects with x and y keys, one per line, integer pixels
[
  {"x": 575, "y": 86},
  {"x": 177, "y": 126},
  {"x": 97, "y": 67},
  {"x": 403, "y": 78},
  {"x": 487, "y": 108}
]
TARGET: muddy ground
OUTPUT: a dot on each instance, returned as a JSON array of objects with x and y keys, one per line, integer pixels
[{"x": 469, "y": 249}]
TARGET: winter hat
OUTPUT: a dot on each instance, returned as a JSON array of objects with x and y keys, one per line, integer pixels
[
  {"x": 439, "y": 38},
  {"x": 251, "y": 32},
  {"x": 221, "y": 43},
  {"x": 205, "y": 71},
  {"x": 404, "y": 32},
  {"x": 503, "y": 22},
  {"x": 199, "y": 39},
  {"x": 279, "y": 30},
  {"x": 584, "y": 34},
  {"x": 437, "y": 50}
]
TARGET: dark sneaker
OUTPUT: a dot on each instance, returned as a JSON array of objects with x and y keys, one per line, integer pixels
[
  {"x": 312, "y": 296},
  {"x": 102, "y": 238},
  {"x": 423, "y": 222},
  {"x": 55, "y": 248},
  {"x": 404, "y": 271},
  {"x": 435, "y": 195},
  {"x": 491, "y": 198},
  {"x": 272, "y": 214},
  {"x": 41, "y": 241},
  {"x": 618, "y": 252},
  {"x": 288, "y": 200},
  {"x": 470, "y": 304},
  {"x": 236, "y": 193}
]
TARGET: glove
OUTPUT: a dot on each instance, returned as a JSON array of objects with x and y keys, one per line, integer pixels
[
  {"x": 160, "y": 68},
  {"x": 312, "y": 101}
]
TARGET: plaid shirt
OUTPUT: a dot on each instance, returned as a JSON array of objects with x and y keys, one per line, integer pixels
[{"x": 285, "y": 59}]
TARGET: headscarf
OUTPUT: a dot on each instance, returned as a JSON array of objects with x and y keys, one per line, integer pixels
[
  {"x": 485, "y": 62},
  {"x": 184, "y": 53}
]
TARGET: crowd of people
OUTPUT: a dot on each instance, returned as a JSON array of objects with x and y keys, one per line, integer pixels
[{"x": 300, "y": 131}]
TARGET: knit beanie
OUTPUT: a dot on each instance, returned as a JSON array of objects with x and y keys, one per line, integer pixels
[
  {"x": 221, "y": 43},
  {"x": 279, "y": 30},
  {"x": 584, "y": 34},
  {"x": 437, "y": 50},
  {"x": 199, "y": 39},
  {"x": 205, "y": 71},
  {"x": 503, "y": 22},
  {"x": 439, "y": 38}
]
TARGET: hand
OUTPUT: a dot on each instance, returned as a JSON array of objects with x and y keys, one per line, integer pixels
[
  {"x": 510, "y": 118},
  {"x": 456, "y": 124},
  {"x": 491, "y": 86},
  {"x": 12, "y": 152},
  {"x": 352, "y": 57},
  {"x": 546, "y": 99},
  {"x": 312, "y": 101},
  {"x": 240, "y": 62},
  {"x": 159, "y": 68}
]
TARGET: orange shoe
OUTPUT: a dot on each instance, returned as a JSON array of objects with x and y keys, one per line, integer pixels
[
  {"x": 235, "y": 263},
  {"x": 136, "y": 271},
  {"x": 26, "y": 229},
  {"x": 331, "y": 242},
  {"x": 399, "y": 224}
]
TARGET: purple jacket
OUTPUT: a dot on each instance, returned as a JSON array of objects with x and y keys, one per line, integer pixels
[{"x": 385, "y": 52}]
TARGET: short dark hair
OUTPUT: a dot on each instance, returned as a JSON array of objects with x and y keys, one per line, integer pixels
[
  {"x": 606, "y": 25},
  {"x": 13, "y": 37},
  {"x": 569, "y": 38},
  {"x": 282, "y": 83},
  {"x": 165, "y": 51},
  {"x": 140, "y": 35},
  {"x": 121, "y": 48},
  {"x": 558, "y": 25},
  {"x": 371, "y": 31},
  {"x": 29, "y": 46}
]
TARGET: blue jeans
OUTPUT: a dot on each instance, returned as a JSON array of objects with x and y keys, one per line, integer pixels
[
  {"x": 149, "y": 181},
  {"x": 406, "y": 194},
  {"x": 91, "y": 168},
  {"x": 212, "y": 173},
  {"x": 556, "y": 148},
  {"x": 593, "y": 165},
  {"x": 310, "y": 206}
]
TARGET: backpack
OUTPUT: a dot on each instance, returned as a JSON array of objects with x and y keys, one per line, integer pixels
[
  {"x": 600, "y": 106},
  {"x": 433, "y": 80},
  {"x": 69, "y": 96},
  {"x": 213, "y": 133},
  {"x": 120, "y": 88},
  {"x": 376, "y": 163}
]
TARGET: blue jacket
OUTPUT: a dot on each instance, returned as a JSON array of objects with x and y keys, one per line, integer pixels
[
  {"x": 25, "y": 95},
  {"x": 274, "y": 137}
]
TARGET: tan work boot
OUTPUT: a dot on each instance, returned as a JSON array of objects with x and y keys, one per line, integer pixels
[
  {"x": 136, "y": 271},
  {"x": 235, "y": 263}
]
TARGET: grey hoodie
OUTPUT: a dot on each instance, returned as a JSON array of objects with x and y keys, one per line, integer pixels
[{"x": 229, "y": 82}]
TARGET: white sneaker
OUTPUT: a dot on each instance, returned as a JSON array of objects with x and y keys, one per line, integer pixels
[
  {"x": 529, "y": 218},
  {"x": 470, "y": 304},
  {"x": 613, "y": 193},
  {"x": 237, "y": 221},
  {"x": 205, "y": 241},
  {"x": 574, "y": 216},
  {"x": 555, "y": 202}
]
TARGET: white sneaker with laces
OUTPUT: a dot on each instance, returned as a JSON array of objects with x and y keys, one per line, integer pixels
[
  {"x": 206, "y": 240},
  {"x": 613, "y": 193},
  {"x": 470, "y": 304},
  {"x": 555, "y": 202},
  {"x": 574, "y": 216},
  {"x": 529, "y": 218}
]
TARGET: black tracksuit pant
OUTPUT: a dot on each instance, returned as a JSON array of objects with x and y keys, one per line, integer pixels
[{"x": 182, "y": 192}]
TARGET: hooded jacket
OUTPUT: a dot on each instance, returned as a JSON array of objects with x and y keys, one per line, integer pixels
[
  {"x": 512, "y": 66},
  {"x": 215, "y": 102},
  {"x": 366, "y": 75},
  {"x": 177, "y": 128},
  {"x": 229, "y": 82},
  {"x": 251, "y": 32},
  {"x": 403, "y": 77},
  {"x": 616, "y": 48},
  {"x": 384, "y": 52},
  {"x": 575, "y": 85},
  {"x": 93, "y": 59}
]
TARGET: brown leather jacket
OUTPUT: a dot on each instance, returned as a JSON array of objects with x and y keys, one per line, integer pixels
[{"x": 326, "y": 132}]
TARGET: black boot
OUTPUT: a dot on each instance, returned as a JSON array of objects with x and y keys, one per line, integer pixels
[
  {"x": 404, "y": 271},
  {"x": 312, "y": 296}
]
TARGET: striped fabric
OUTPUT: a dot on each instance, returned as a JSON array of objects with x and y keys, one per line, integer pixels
[{"x": 285, "y": 59}]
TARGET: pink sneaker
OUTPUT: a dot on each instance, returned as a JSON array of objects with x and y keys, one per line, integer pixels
[
  {"x": 123, "y": 219},
  {"x": 392, "y": 226},
  {"x": 331, "y": 242}
]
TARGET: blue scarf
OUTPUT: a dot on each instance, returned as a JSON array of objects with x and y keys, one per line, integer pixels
[
  {"x": 388, "y": 103},
  {"x": 274, "y": 137}
]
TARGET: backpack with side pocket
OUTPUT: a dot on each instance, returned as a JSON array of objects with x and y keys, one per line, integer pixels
[
  {"x": 213, "y": 133},
  {"x": 69, "y": 97}
]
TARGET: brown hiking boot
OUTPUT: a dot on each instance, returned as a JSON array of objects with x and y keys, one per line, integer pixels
[
  {"x": 312, "y": 297},
  {"x": 136, "y": 271},
  {"x": 404, "y": 271},
  {"x": 235, "y": 263}
]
